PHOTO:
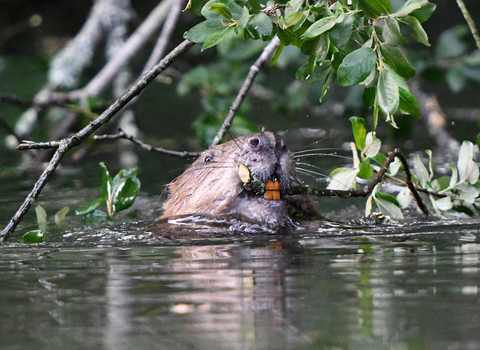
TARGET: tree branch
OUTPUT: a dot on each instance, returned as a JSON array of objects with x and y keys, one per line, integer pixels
[
  {"x": 247, "y": 84},
  {"x": 123, "y": 135},
  {"x": 66, "y": 144}
]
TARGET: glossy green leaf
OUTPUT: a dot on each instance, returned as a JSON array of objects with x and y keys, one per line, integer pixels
[
  {"x": 255, "y": 4},
  {"x": 200, "y": 32},
  {"x": 408, "y": 103},
  {"x": 260, "y": 27},
  {"x": 222, "y": 10},
  {"x": 397, "y": 61},
  {"x": 408, "y": 7},
  {"x": 359, "y": 129},
  {"x": 341, "y": 33},
  {"x": 365, "y": 170},
  {"x": 404, "y": 197},
  {"x": 35, "y": 236},
  {"x": 467, "y": 168},
  {"x": 369, "y": 95},
  {"x": 391, "y": 32},
  {"x": 329, "y": 80},
  {"x": 319, "y": 27},
  {"x": 342, "y": 178},
  {"x": 372, "y": 145},
  {"x": 212, "y": 9},
  {"x": 387, "y": 93},
  {"x": 41, "y": 217},
  {"x": 126, "y": 193},
  {"x": 244, "y": 18},
  {"x": 418, "y": 32},
  {"x": 387, "y": 206},
  {"x": 425, "y": 11},
  {"x": 88, "y": 208},
  {"x": 217, "y": 35},
  {"x": 420, "y": 171},
  {"x": 374, "y": 8},
  {"x": 194, "y": 6},
  {"x": 356, "y": 66},
  {"x": 60, "y": 215},
  {"x": 106, "y": 183}
]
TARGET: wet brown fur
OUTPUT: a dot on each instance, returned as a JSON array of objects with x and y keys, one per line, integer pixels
[{"x": 211, "y": 186}]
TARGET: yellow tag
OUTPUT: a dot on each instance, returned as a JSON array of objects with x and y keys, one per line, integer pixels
[{"x": 243, "y": 173}]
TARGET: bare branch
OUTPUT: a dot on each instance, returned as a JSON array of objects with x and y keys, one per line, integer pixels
[
  {"x": 66, "y": 144},
  {"x": 247, "y": 84},
  {"x": 136, "y": 40},
  {"x": 123, "y": 135}
]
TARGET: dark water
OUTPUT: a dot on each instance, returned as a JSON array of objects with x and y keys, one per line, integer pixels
[{"x": 413, "y": 285}]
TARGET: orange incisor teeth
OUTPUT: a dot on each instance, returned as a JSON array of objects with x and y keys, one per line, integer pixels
[{"x": 272, "y": 190}]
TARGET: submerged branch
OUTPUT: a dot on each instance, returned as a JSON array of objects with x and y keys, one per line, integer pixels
[
  {"x": 66, "y": 144},
  {"x": 366, "y": 190},
  {"x": 123, "y": 135},
  {"x": 247, "y": 84}
]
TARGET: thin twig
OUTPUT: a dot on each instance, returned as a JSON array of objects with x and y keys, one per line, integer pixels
[
  {"x": 247, "y": 84},
  {"x": 419, "y": 189},
  {"x": 165, "y": 35},
  {"x": 66, "y": 144},
  {"x": 123, "y": 135},
  {"x": 366, "y": 190},
  {"x": 470, "y": 22}
]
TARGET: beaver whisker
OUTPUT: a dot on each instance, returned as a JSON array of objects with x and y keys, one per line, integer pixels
[
  {"x": 309, "y": 155},
  {"x": 318, "y": 149},
  {"x": 310, "y": 165},
  {"x": 311, "y": 173}
]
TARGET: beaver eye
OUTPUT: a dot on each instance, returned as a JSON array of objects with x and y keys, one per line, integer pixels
[
  {"x": 208, "y": 159},
  {"x": 254, "y": 142}
]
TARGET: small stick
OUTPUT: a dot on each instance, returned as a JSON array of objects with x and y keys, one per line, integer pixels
[{"x": 123, "y": 135}]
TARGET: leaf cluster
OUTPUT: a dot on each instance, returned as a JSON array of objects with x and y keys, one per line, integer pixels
[
  {"x": 355, "y": 42},
  {"x": 117, "y": 193}
]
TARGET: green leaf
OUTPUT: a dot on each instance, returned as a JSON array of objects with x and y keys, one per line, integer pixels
[
  {"x": 96, "y": 216},
  {"x": 365, "y": 170},
  {"x": 255, "y": 4},
  {"x": 374, "y": 8},
  {"x": 444, "y": 204},
  {"x": 329, "y": 80},
  {"x": 391, "y": 32},
  {"x": 35, "y": 236},
  {"x": 420, "y": 171},
  {"x": 388, "y": 208},
  {"x": 372, "y": 145},
  {"x": 425, "y": 11},
  {"x": 212, "y": 10},
  {"x": 341, "y": 33},
  {"x": 387, "y": 197},
  {"x": 369, "y": 95},
  {"x": 408, "y": 103},
  {"x": 106, "y": 184},
  {"x": 41, "y": 217},
  {"x": 467, "y": 168},
  {"x": 342, "y": 178},
  {"x": 397, "y": 61},
  {"x": 467, "y": 192},
  {"x": 387, "y": 93},
  {"x": 418, "y": 33},
  {"x": 478, "y": 140},
  {"x": 90, "y": 207},
  {"x": 356, "y": 66},
  {"x": 319, "y": 27},
  {"x": 200, "y": 32},
  {"x": 222, "y": 10},
  {"x": 320, "y": 73},
  {"x": 359, "y": 129},
  {"x": 260, "y": 27},
  {"x": 126, "y": 193},
  {"x": 60, "y": 215},
  {"x": 243, "y": 20},
  {"x": 217, "y": 35},
  {"x": 408, "y": 8},
  {"x": 194, "y": 6}
]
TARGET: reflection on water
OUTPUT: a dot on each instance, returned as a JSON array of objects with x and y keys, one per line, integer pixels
[{"x": 313, "y": 292}]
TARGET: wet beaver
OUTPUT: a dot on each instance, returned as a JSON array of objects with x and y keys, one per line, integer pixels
[{"x": 247, "y": 179}]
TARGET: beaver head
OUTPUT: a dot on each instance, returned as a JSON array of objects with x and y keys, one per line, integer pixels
[{"x": 212, "y": 185}]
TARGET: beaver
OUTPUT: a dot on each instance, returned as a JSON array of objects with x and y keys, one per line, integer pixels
[{"x": 247, "y": 178}]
